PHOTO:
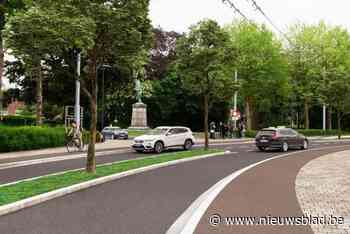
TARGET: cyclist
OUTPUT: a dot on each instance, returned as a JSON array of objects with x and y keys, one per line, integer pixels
[{"x": 75, "y": 134}]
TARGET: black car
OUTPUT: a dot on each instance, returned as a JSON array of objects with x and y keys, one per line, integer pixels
[
  {"x": 114, "y": 133},
  {"x": 280, "y": 138}
]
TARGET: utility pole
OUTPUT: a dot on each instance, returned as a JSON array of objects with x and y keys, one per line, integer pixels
[
  {"x": 235, "y": 100},
  {"x": 77, "y": 92},
  {"x": 324, "y": 117},
  {"x": 324, "y": 114},
  {"x": 103, "y": 100}
]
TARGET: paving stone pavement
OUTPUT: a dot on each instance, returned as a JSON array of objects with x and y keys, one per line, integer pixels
[{"x": 323, "y": 189}]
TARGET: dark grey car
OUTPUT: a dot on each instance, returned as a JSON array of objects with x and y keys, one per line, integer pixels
[
  {"x": 115, "y": 133},
  {"x": 280, "y": 138}
]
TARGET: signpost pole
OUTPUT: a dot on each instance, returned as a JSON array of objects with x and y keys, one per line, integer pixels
[{"x": 235, "y": 102}]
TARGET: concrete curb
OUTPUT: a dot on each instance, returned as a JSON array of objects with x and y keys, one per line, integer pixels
[
  {"x": 187, "y": 222},
  {"x": 29, "y": 202}
]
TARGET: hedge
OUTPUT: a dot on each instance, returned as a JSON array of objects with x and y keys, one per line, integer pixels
[
  {"x": 18, "y": 120},
  {"x": 319, "y": 132},
  {"x": 30, "y": 138},
  {"x": 306, "y": 132}
]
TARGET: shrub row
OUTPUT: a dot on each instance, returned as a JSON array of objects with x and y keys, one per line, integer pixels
[
  {"x": 318, "y": 132},
  {"x": 17, "y": 120},
  {"x": 30, "y": 138},
  {"x": 306, "y": 132}
]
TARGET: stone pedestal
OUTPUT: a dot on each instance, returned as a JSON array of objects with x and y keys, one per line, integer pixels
[{"x": 139, "y": 116}]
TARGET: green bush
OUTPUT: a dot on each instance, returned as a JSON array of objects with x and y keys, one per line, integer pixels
[
  {"x": 18, "y": 120},
  {"x": 30, "y": 138},
  {"x": 250, "y": 133},
  {"x": 318, "y": 132}
]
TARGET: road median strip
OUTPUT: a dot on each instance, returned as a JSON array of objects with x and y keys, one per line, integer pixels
[{"x": 29, "y": 193}]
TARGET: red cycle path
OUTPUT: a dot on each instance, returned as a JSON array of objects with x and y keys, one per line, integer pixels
[{"x": 266, "y": 190}]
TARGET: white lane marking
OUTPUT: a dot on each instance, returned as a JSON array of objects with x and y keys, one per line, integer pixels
[
  {"x": 54, "y": 159},
  {"x": 187, "y": 222},
  {"x": 82, "y": 155}
]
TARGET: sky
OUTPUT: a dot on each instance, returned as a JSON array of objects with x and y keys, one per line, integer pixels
[{"x": 179, "y": 15}]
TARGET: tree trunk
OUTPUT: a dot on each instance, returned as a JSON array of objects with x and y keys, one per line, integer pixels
[
  {"x": 206, "y": 119},
  {"x": 91, "y": 157},
  {"x": 2, "y": 61},
  {"x": 39, "y": 96},
  {"x": 329, "y": 119},
  {"x": 248, "y": 112},
  {"x": 339, "y": 125},
  {"x": 306, "y": 114}
]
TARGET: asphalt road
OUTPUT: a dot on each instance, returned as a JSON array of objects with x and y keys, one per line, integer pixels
[
  {"x": 24, "y": 172},
  {"x": 146, "y": 203}
]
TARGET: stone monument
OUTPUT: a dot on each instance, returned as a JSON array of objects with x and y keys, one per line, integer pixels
[{"x": 139, "y": 110}]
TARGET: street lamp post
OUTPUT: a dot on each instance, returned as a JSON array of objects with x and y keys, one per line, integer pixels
[
  {"x": 77, "y": 93},
  {"x": 235, "y": 101},
  {"x": 103, "y": 67}
]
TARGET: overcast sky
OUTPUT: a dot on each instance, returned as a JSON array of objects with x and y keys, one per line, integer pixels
[{"x": 178, "y": 15}]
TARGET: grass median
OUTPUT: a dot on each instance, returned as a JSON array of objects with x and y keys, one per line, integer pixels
[{"x": 26, "y": 189}]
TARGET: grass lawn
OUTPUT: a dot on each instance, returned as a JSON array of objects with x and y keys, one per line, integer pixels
[{"x": 26, "y": 189}]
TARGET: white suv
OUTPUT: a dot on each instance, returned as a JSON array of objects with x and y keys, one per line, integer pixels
[{"x": 161, "y": 138}]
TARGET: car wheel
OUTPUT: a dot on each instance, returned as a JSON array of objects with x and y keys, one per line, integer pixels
[
  {"x": 305, "y": 145},
  {"x": 262, "y": 149},
  {"x": 158, "y": 147},
  {"x": 285, "y": 147},
  {"x": 188, "y": 145}
]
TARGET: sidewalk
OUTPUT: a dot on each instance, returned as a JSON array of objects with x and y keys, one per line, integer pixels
[
  {"x": 268, "y": 192},
  {"x": 108, "y": 145}
]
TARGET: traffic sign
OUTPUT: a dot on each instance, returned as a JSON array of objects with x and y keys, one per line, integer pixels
[{"x": 235, "y": 115}]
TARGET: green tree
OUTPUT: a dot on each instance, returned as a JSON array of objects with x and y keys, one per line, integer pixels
[
  {"x": 33, "y": 34},
  {"x": 7, "y": 8},
  {"x": 302, "y": 56},
  {"x": 205, "y": 65},
  {"x": 121, "y": 37},
  {"x": 261, "y": 66},
  {"x": 319, "y": 61}
]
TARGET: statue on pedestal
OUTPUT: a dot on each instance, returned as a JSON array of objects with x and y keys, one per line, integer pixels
[
  {"x": 139, "y": 109},
  {"x": 139, "y": 90}
]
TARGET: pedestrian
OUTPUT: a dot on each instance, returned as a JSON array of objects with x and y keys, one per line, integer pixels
[
  {"x": 212, "y": 130},
  {"x": 231, "y": 130},
  {"x": 243, "y": 130},
  {"x": 240, "y": 129},
  {"x": 221, "y": 126},
  {"x": 225, "y": 130}
]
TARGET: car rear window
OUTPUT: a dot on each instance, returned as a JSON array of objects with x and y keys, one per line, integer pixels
[{"x": 266, "y": 133}]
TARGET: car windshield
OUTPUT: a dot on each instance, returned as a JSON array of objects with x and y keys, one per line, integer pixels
[
  {"x": 266, "y": 133},
  {"x": 111, "y": 129},
  {"x": 157, "y": 131}
]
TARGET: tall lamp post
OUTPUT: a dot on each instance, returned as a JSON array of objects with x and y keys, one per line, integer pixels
[
  {"x": 235, "y": 100},
  {"x": 103, "y": 67},
  {"x": 77, "y": 92}
]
